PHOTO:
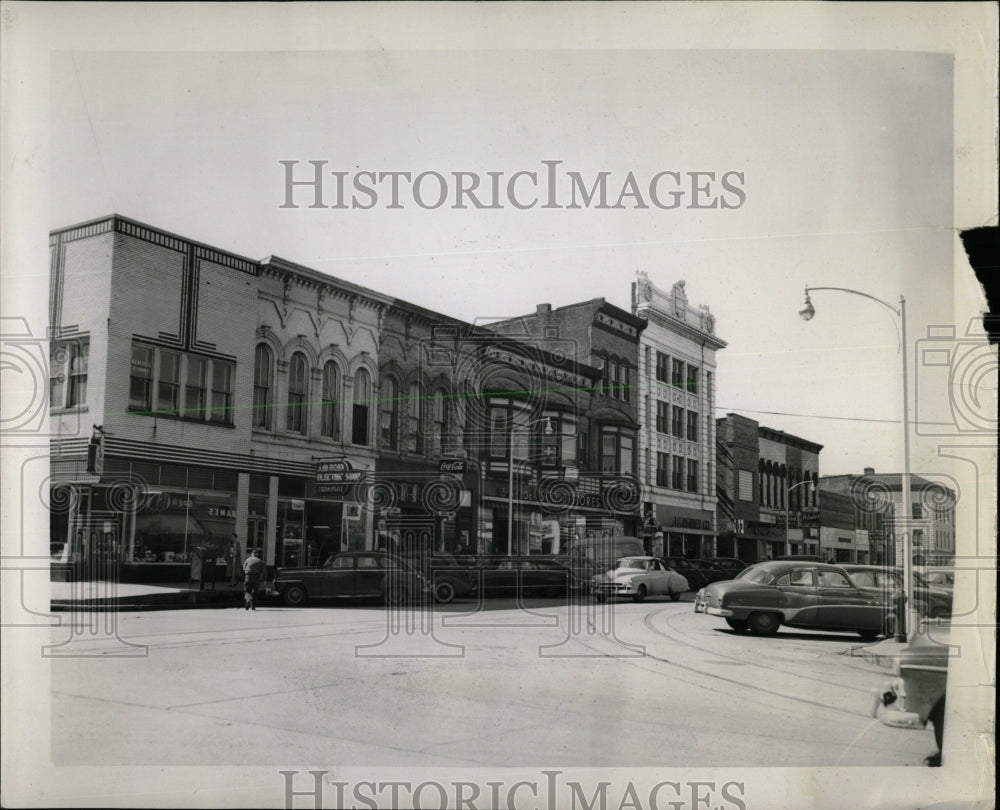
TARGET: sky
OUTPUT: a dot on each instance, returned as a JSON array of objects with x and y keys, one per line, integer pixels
[{"x": 846, "y": 164}]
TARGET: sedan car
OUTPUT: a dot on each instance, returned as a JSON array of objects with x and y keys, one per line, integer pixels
[
  {"x": 450, "y": 578},
  {"x": 530, "y": 575},
  {"x": 917, "y": 695},
  {"x": 798, "y": 593},
  {"x": 731, "y": 565},
  {"x": 352, "y": 575},
  {"x": 930, "y": 601},
  {"x": 698, "y": 573},
  {"x": 639, "y": 577}
]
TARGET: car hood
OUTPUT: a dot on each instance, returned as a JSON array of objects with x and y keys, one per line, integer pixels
[{"x": 732, "y": 586}]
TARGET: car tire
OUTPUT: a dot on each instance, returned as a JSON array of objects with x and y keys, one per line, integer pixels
[
  {"x": 675, "y": 597},
  {"x": 599, "y": 596},
  {"x": 640, "y": 595},
  {"x": 764, "y": 624},
  {"x": 295, "y": 595},
  {"x": 738, "y": 625},
  {"x": 444, "y": 592}
]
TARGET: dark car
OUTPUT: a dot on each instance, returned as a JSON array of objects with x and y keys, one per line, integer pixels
[
  {"x": 352, "y": 575},
  {"x": 731, "y": 565},
  {"x": 798, "y": 593},
  {"x": 698, "y": 573},
  {"x": 929, "y": 601},
  {"x": 534, "y": 575},
  {"x": 450, "y": 578}
]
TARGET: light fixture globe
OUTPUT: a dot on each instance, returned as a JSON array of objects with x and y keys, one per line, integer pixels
[{"x": 808, "y": 310}]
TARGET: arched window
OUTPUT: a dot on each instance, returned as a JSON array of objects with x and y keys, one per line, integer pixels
[
  {"x": 297, "y": 387},
  {"x": 359, "y": 412},
  {"x": 441, "y": 426},
  {"x": 262, "y": 387},
  {"x": 389, "y": 414},
  {"x": 329, "y": 412},
  {"x": 415, "y": 413}
]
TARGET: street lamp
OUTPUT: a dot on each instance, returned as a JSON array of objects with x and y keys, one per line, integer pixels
[
  {"x": 904, "y": 629},
  {"x": 510, "y": 481},
  {"x": 788, "y": 539}
]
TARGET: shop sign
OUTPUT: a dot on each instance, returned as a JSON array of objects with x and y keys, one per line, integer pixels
[
  {"x": 335, "y": 476},
  {"x": 452, "y": 465}
]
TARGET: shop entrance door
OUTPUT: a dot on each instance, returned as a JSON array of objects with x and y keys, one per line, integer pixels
[{"x": 256, "y": 533}]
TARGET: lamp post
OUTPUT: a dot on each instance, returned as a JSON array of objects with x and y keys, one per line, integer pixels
[
  {"x": 904, "y": 629},
  {"x": 510, "y": 480},
  {"x": 788, "y": 491}
]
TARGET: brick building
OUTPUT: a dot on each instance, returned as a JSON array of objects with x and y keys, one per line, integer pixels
[
  {"x": 767, "y": 491},
  {"x": 603, "y": 336}
]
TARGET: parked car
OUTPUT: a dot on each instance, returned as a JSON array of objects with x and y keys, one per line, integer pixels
[
  {"x": 639, "y": 577},
  {"x": 916, "y": 695},
  {"x": 352, "y": 575},
  {"x": 938, "y": 576},
  {"x": 931, "y": 602},
  {"x": 797, "y": 593},
  {"x": 594, "y": 555},
  {"x": 698, "y": 573},
  {"x": 449, "y": 577},
  {"x": 731, "y": 565},
  {"x": 529, "y": 575}
]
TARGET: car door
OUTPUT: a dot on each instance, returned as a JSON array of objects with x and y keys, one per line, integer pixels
[
  {"x": 368, "y": 575},
  {"x": 798, "y": 596},
  {"x": 335, "y": 579},
  {"x": 842, "y": 605},
  {"x": 657, "y": 578}
]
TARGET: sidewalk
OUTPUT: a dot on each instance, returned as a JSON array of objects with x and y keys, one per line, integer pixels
[
  {"x": 883, "y": 654},
  {"x": 110, "y": 595}
]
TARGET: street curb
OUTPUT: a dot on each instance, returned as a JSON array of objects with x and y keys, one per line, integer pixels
[{"x": 885, "y": 654}]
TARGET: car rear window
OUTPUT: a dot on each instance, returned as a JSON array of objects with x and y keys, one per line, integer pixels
[{"x": 757, "y": 574}]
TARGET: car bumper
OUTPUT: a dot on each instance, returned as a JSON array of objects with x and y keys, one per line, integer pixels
[{"x": 614, "y": 588}]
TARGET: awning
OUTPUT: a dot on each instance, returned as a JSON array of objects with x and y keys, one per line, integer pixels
[{"x": 167, "y": 523}]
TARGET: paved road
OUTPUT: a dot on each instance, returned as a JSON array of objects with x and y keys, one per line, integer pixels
[{"x": 648, "y": 684}]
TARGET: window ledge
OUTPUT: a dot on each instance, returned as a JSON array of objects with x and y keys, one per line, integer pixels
[{"x": 68, "y": 410}]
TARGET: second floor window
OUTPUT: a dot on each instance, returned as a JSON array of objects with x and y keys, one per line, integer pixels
[
  {"x": 329, "y": 412},
  {"x": 68, "y": 366},
  {"x": 194, "y": 389},
  {"x": 692, "y": 426},
  {"x": 662, "y": 470},
  {"x": 359, "y": 412},
  {"x": 262, "y": 387},
  {"x": 692, "y": 476},
  {"x": 441, "y": 426},
  {"x": 617, "y": 450},
  {"x": 140, "y": 389},
  {"x": 389, "y": 414},
  {"x": 677, "y": 473},
  {"x": 677, "y": 422},
  {"x": 415, "y": 412},
  {"x": 222, "y": 392},
  {"x": 298, "y": 379},
  {"x": 168, "y": 384}
]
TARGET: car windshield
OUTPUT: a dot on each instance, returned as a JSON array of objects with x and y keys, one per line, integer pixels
[
  {"x": 757, "y": 574},
  {"x": 635, "y": 563}
]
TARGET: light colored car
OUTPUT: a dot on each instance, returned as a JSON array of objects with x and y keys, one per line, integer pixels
[
  {"x": 640, "y": 577},
  {"x": 916, "y": 695}
]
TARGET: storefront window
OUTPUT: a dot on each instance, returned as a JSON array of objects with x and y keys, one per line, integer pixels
[{"x": 175, "y": 523}]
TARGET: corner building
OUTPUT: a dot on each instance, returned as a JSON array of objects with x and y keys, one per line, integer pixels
[{"x": 676, "y": 399}]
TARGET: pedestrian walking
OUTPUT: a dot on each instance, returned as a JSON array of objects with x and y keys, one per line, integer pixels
[{"x": 253, "y": 568}]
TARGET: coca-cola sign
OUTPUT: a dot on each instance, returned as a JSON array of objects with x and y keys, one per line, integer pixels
[{"x": 452, "y": 465}]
